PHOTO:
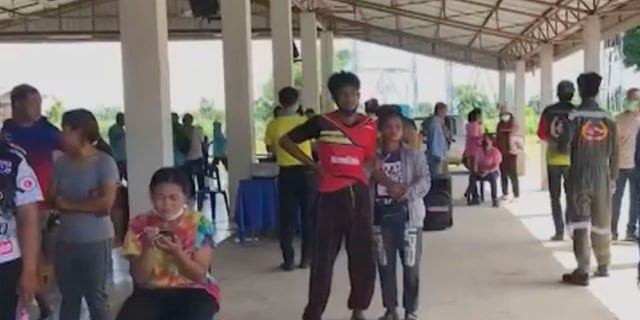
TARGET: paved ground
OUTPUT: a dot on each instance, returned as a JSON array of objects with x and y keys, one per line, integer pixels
[
  {"x": 491, "y": 266},
  {"x": 487, "y": 267}
]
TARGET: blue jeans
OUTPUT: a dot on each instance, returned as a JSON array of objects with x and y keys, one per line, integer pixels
[
  {"x": 624, "y": 175},
  {"x": 435, "y": 165}
]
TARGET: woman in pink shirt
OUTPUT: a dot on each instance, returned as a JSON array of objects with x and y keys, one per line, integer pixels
[
  {"x": 472, "y": 144},
  {"x": 486, "y": 168}
]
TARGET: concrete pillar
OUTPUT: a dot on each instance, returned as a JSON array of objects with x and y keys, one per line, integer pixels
[
  {"x": 591, "y": 35},
  {"x": 502, "y": 88},
  {"x": 145, "y": 65},
  {"x": 282, "y": 42},
  {"x": 327, "y": 53},
  {"x": 546, "y": 98},
  {"x": 310, "y": 76},
  {"x": 519, "y": 105},
  {"x": 238, "y": 77}
]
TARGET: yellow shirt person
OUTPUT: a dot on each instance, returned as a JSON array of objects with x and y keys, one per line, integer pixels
[{"x": 277, "y": 128}]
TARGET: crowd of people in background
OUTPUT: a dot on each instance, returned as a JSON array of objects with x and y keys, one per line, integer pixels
[
  {"x": 353, "y": 177},
  {"x": 57, "y": 191}
]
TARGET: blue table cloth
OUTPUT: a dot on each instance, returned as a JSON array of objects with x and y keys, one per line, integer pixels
[{"x": 256, "y": 205}]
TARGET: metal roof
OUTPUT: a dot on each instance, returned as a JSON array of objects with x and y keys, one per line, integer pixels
[{"x": 486, "y": 33}]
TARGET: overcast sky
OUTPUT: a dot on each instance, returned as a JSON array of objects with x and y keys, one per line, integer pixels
[{"x": 89, "y": 74}]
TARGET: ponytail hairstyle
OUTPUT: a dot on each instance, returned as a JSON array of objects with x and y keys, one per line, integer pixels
[{"x": 85, "y": 122}]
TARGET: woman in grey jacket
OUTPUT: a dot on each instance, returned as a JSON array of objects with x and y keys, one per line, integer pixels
[{"x": 398, "y": 216}]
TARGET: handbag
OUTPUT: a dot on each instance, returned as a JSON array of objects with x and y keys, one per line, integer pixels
[{"x": 516, "y": 144}]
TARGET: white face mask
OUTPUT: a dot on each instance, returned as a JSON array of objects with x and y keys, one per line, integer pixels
[
  {"x": 505, "y": 117},
  {"x": 172, "y": 218}
]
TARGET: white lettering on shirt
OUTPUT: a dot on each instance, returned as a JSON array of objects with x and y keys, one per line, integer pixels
[{"x": 348, "y": 160}]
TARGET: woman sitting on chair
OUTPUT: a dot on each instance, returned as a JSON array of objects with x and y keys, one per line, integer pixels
[
  {"x": 486, "y": 168},
  {"x": 170, "y": 250}
]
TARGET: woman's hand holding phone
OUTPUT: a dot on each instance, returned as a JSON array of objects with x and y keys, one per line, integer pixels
[{"x": 168, "y": 243}]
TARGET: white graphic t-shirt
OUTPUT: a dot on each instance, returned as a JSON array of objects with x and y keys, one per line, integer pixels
[
  {"x": 392, "y": 168},
  {"x": 28, "y": 191}
]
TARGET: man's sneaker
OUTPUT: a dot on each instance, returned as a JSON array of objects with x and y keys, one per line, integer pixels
[
  {"x": 357, "y": 315},
  {"x": 410, "y": 316},
  {"x": 602, "y": 272},
  {"x": 505, "y": 198},
  {"x": 557, "y": 237},
  {"x": 576, "y": 278},
  {"x": 390, "y": 315},
  {"x": 630, "y": 238},
  {"x": 286, "y": 266},
  {"x": 614, "y": 237},
  {"x": 495, "y": 204}
]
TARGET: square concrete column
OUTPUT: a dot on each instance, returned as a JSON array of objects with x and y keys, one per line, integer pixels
[
  {"x": 145, "y": 65},
  {"x": 519, "y": 105},
  {"x": 546, "y": 98},
  {"x": 327, "y": 53},
  {"x": 238, "y": 78},
  {"x": 591, "y": 36},
  {"x": 282, "y": 42},
  {"x": 310, "y": 76},
  {"x": 502, "y": 88}
]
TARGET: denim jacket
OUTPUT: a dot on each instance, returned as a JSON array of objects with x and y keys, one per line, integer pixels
[{"x": 416, "y": 178}]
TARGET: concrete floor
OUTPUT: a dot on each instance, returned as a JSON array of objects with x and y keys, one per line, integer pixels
[{"x": 491, "y": 266}]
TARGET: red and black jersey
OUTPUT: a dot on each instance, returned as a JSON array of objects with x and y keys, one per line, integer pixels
[{"x": 342, "y": 150}]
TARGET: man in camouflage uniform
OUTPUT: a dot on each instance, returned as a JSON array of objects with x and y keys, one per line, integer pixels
[{"x": 594, "y": 165}]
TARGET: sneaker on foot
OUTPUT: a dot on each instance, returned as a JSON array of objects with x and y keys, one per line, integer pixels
[
  {"x": 495, "y": 204},
  {"x": 630, "y": 238},
  {"x": 602, "y": 272},
  {"x": 576, "y": 278},
  {"x": 303, "y": 265},
  {"x": 390, "y": 315},
  {"x": 557, "y": 237},
  {"x": 410, "y": 316},
  {"x": 614, "y": 237},
  {"x": 357, "y": 315},
  {"x": 286, "y": 266}
]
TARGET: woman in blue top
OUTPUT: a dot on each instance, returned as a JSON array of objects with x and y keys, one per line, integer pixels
[{"x": 219, "y": 145}]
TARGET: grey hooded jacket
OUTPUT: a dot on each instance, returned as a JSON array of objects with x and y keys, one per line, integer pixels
[{"x": 417, "y": 180}]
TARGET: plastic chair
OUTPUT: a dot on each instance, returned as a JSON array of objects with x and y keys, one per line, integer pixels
[{"x": 212, "y": 172}]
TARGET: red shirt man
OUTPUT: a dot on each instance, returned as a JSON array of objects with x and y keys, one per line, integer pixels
[{"x": 346, "y": 142}]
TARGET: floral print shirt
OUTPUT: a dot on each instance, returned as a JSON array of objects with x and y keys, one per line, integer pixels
[{"x": 193, "y": 231}]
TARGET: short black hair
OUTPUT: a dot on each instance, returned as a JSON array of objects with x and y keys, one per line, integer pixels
[
  {"x": 439, "y": 106},
  {"x": 565, "y": 90},
  {"x": 340, "y": 80},
  {"x": 276, "y": 110},
  {"x": 371, "y": 105},
  {"x": 589, "y": 84},
  {"x": 170, "y": 175},
  {"x": 119, "y": 117},
  {"x": 474, "y": 115},
  {"x": 288, "y": 96},
  {"x": 386, "y": 113},
  {"x": 21, "y": 92}
]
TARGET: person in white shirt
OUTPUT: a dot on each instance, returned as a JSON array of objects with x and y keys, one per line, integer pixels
[
  {"x": 20, "y": 194},
  {"x": 195, "y": 155},
  {"x": 628, "y": 124}
]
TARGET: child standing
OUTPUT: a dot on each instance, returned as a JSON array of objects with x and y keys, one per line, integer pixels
[{"x": 398, "y": 216}]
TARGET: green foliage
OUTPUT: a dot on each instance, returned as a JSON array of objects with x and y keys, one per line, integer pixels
[
  {"x": 54, "y": 114},
  {"x": 467, "y": 97},
  {"x": 208, "y": 113},
  {"x": 631, "y": 48},
  {"x": 423, "y": 109},
  {"x": 264, "y": 105}
]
